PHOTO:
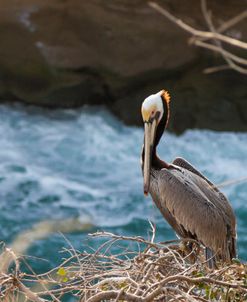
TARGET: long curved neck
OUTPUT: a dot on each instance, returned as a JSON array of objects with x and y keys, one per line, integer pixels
[
  {"x": 161, "y": 128},
  {"x": 156, "y": 162}
]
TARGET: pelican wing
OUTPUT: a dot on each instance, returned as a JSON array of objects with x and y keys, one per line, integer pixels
[
  {"x": 219, "y": 200},
  {"x": 181, "y": 162},
  {"x": 181, "y": 194},
  {"x": 212, "y": 192}
]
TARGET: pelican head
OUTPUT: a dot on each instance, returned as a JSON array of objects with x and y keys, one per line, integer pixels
[{"x": 155, "y": 114}]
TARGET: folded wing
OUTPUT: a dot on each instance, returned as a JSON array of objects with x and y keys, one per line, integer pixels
[{"x": 197, "y": 208}]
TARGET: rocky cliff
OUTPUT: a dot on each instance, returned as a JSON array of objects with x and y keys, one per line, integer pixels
[{"x": 66, "y": 53}]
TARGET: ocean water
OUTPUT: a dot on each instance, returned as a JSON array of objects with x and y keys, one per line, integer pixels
[{"x": 84, "y": 164}]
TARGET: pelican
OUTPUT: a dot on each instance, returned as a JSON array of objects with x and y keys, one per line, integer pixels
[{"x": 191, "y": 204}]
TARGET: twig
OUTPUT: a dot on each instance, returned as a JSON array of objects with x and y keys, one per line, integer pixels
[
  {"x": 232, "y": 182},
  {"x": 200, "y": 37},
  {"x": 230, "y": 23},
  {"x": 113, "y": 294},
  {"x": 29, "y": 294},
  {"x": 196, "y": 32},
  {"x": 151, "y": 275}
]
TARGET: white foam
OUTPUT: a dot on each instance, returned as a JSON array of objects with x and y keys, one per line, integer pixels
[{"x": 88, "y": 162}]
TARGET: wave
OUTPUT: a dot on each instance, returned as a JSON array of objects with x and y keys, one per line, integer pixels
[{"x": 65, "y": 163}]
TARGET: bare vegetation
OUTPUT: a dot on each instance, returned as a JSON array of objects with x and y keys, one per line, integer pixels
[
  {"x": 214, "y": 39},
  {"x": 142, "y": 271}
]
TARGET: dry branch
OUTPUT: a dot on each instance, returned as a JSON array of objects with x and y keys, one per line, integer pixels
[
  {"x": 214, "y": 37},
  {"x": 152, "y": 272}
]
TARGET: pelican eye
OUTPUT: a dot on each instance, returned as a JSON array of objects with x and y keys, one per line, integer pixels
[{"x": 157, "y": 115}]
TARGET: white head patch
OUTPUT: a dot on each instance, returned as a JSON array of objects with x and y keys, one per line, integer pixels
[{"x": 154, "y": 103}]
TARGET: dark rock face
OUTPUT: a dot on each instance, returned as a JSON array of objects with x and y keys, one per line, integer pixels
[{"x": 71, "y": 52}]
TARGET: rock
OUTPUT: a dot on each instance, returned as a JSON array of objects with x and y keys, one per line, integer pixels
[
  {"x": 116, "y": 52},
  {"x": 215, "y": 102}
]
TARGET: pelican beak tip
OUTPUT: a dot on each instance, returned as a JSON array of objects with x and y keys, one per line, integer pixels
[{"x": 145, "y": 191}]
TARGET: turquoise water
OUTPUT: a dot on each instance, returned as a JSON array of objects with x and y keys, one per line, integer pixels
[{"x": 67, "y": 164}]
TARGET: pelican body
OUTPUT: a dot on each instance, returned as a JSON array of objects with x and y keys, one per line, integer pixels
[{"x": 191, "y": 204}]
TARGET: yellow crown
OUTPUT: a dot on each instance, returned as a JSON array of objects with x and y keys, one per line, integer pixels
[{"x": 166, "y": 96}]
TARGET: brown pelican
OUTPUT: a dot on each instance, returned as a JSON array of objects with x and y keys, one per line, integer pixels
[{"x": 191, "y": 204}]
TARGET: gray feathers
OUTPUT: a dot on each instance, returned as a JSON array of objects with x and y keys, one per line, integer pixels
[{"x": 194, "y": 207}]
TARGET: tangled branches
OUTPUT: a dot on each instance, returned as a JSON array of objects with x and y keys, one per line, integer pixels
[
  {"x": 213, "y": 39},
  {"x": 128, "y": 269}
]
